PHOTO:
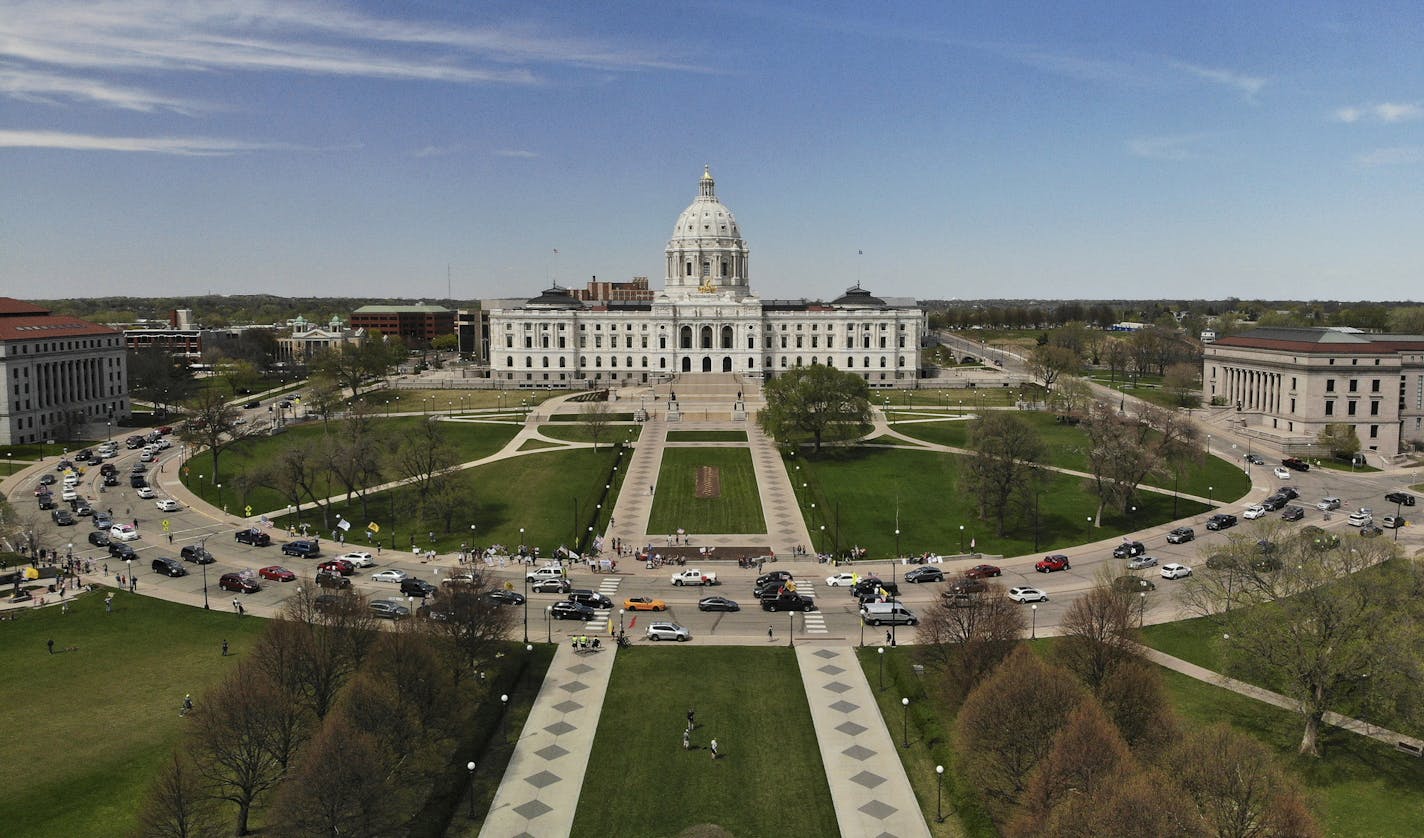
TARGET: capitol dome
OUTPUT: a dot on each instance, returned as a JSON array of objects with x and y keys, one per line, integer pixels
[
  {"x": 706, "y": 254},
  {"x": 707, "y": 217}
]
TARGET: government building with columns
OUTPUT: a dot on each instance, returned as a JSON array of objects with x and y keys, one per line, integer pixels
[
  {"x": 705, "y": 320},
  {"x": 1286, "y": 385}
]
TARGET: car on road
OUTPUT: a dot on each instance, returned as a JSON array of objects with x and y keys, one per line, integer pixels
[
  {"x": 1142, "y": 562},
  {"x": 1328, "y": 504},
  {"x": 1253, "y": 512},
  {"x": 1050, "y": 564},
  {"x": 1359, "y": 518},
  {"x": 717, "y": 603},
  {"x": 302, "y": 549},
  {"x": 642, "y": 603},
  {"x": 1026, "y": 594},
  {"x": 392, "y": 575},
  {"x": 841, "y": 580},
  {"x": 1274, "y": 502},
  {"x": 1281, "y": 473},
  {"x": 123, "y": 532},
  {"x": 111, "y": 480},
  {"x": 99, "y": 538},
  {"x": 416, "y": 587},
  {"x": 1128, "y": 549},
  {"x": 276, "y": 573},
  {"x": 82, "y": 509},
  {"x": 1370, "y": 530},
  {"x": 1221, "y": 521},
  {"x": 196, "y": 554},
  {"x": 240, "y": 583},
  {"x": 772, "y": 585},
  {"x": 1133, "y": 584},
  {"x": 565, "y": 610},
  {"x": 1288, "y": 492},
  {"x": 1391, "y": 522},
  {"x": 252, "y": 405},
  {"x": 47, "y": 480},
  {"x": 788, "y": 602},
  {"x": 693, "y": 576},
  {"x": 169, "y": 567},
  {"x": 62, "y": 517},
  {"x": 874, "y": 585},
  {"x": 167, "y": 505},
  {"x": 966, "y": 586},
  {"x": 327, "y": 579},
  {"x": 121, "y": 551},
  {"x": 1292, "y": 513},
  {"x": 552, "y": 586},
  {"x": 340, "y": 566},
  {"x": 358, "y": 559},
  {"x": 69, "y": 494},
  {"x": 46, "y": 501},
  {"x": 892, "y": 613},
  {"x": 1403, "y": 498},
  {"x": 668, "y": 631},
  {"x": 774, "y": 575},
  {"x": 1296, "y": 464},
  {"x": 146, "y": 492},
  {"x": 925, "y": 574},
  {"x": 545, "y": 572},
  {"x": 982, "y": 571},
  {"x": 1175, "y": 571},
  {"x": 389, "y": 609},
  {"x": 1255, "y": 459},
  {"x": 593, "y": 599},
  {"x": 500, "y": 596},
  {"x": 255, "y": 537}
]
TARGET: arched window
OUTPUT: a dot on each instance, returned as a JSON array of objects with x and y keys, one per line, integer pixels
[
  {"x": 509, "y": 360},
  {"x": 850, "y": 362},
  {"x": 706, "y": 337},
  {"x": 726, "y": 337},
  {"x": 613, "y": 360},
  {"x": 528, "y": 362},
  {"x": 628, "y": 362},
  {"x": 725, "y": 269},
  {"x": 684, "y": 337},
  {"x": 867, "y": 361},
  {"x": 561, "y": 363},
  {"x": 544, "y": 362}
]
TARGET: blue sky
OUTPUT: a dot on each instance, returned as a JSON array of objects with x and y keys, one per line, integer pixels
[{"x": 1021, "y": 150}]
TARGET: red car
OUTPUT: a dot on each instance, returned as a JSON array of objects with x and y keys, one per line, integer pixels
[
  {"x": 166, "y": 430},
  {"x": 341, "y": 566},
  {"x": 276, "y": 573},
  {"x": 1057, "y": 561},
  {"x": 980, "y": 571}
]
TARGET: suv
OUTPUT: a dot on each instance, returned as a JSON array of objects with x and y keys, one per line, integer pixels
[
  {"x": 1057, "y": 561},
  {"x": 668, "y": 631},
  {"x": 1221, "y": 522},
  {"x": 238, "y": 582},
  {"x": 63, "y": 517},
  {"x": 1327, "y": 504},
  {"x": 873, "y": 585},
  {"x": 388, "y": 609},
  {"x": 169, "y": 567},
  {"x": 592, "y": 599},
  {"x": 788, "y": 602},
  {"x": 1274, "y": 502},
  {"x": 1128, "y": 549},
  {"x": 327, "y": 579},
  {"x": 301, "y": 549},
  {"x": 411, "y": 586},
  {"x": 1295, "y": 463},
  {"x": 196, "y": 554},
  {"x": 255, "y": 537},
  {"x": 547, "y": 572},
  {"x": 1400, "y": 497},
  {"x": 1181, "y": 535}
]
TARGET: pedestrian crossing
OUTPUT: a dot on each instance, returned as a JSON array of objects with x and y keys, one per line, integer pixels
[{"x": 603, "y": 617}]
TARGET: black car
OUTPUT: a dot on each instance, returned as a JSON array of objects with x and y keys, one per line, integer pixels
[
  {"x": 327, "y": 579},
  {"x": 768, "y": 586},
  {"x": 1400, "y": 497},
  {"x": 63, "y": 517},
  {"x": 775, "y": 575},
  {"x": 252, "y": 405},
  {"x": 47, "y": 480},
  {"x": 1274, "y": 502},
  {"x": 111, "y": 479},
  {"x": 301, "y": 549},
  {"x": 500, "y": 596},
  {"x": 169, "y": 567},
  {"x": 871, "y": 585},
  {"x": 967, "y": 586},
  {"x": 1129, "y": 549},
  {"x": 46, "y": 501},
  {"x": 108, "y": 468},
  {"x": 1181, "y": 535},
  {"x": 593, "y": 599},
  {"x": 717, "y": 603},
  {"x": 197, "y": 555},
  {"x": 788, "y": 602},
  {"x": 1221, "y": 522},
  {"x": 82, "y": 508},
  {"x": 137, "y": 481},
  {"x": 1288, "y": 492},
  {"x": 565, "y": 610},
  {"x": 925, "y": 574},
  {"x": 1295, "y": 463},
  {"x": 122, "y": 551},
  {"x": 256, "y": 538},
  {"x": 411, "y": 586},
  {"x": 99, "y": 538},
  {"x": 1255, "y": 459},
  {"x": 1292, "y": 513}
]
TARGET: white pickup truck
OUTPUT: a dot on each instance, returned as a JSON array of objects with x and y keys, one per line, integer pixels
[{"x": 693, "y": 576}]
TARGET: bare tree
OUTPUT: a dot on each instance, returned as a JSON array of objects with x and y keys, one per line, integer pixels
[
  {"x": 343, "y": 785},
  {"x": 233, "y": 743},
  {"x": 177, "y": 805},
  {"x": 212, "y": 424},
  {"x": 595, "y": 417},
  {"x": 471, "y": 624},
  {"x": 1124, "y": 450},
  {"x": 333, "y": 641},
  {"x": 1238, "y": 789},
  {"x": 1097, "y": 634},
  {"x": 970, "y": 635},
  {"x": 353, "y": 454},
  {"x": 1005, "y": 448},
  {"x": 1048, "y": 363},
  {"x": 422, "y": 455}
]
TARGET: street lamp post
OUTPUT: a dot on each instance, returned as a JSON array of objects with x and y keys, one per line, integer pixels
[
  {"x": 939, "y": 793},
  {"x": 791, "y": 629},
  {"x": 131, "y": 579},
  {"x": 905, "y": 730},
  {"x": 1033, "y": 632},
  {"x": 470, "y": 766},
  {"x": 203, "y": 554},
  {"x": 881, "y": 651},
  {"x": 961, "y": 539},
  {"x": 548, "y": 624},
  {"x": 1142, "y": 605},
  {"x": 1209, "y": 490}
]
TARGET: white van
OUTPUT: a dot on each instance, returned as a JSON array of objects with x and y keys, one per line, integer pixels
[{"x": 887, "y": 613}]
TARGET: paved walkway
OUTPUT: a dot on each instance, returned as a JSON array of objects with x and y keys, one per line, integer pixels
[
  {"x": 872, "y": 794},
  {"x": 540, "y": 790}
]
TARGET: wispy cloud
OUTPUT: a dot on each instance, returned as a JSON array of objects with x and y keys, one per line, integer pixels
[
  {"x": 1179, "y": 147},
  {"x": 39, "y": 86},
  {"x": 1248, "y": 86},
  {"x": 1397, "y": 156},
  {"x": 182, "y": 146},
  {"x": 437, "y": 150},
  {"x": 515, "y": 152},
  {"x": 1386, "y": 112}
]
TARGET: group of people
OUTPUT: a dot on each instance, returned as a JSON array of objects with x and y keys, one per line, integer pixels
[{"x": 583, "y": 642}]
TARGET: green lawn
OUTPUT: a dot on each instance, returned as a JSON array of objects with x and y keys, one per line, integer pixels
[
  {"x": 955, "y": 398},
  {"x": 675, "y": 506},
  {"x": 471, "y": 440},
  {"x": 581, "y": 433},
  {"x": 90, "y": 728},
  {"x": 770, "y": 779},
  {"x": 867, "y": 492},
  {"x": 707, "y": 436},
  {"x": 404, "y": 401},
  {"x": 39, "y": 450},
  {"x": 1337, "y": 465}
]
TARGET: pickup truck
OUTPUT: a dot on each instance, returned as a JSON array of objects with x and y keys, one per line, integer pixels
[{"x": 693, "y": 576}]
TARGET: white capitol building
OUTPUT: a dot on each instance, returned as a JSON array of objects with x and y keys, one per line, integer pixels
[{"x": 705, "y": 320}]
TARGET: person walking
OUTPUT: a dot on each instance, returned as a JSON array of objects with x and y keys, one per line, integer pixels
[
  {"x": 713, "y": 746},
  {"x": 51, "y": 646},
  {"x": 687, "y": 740},
  {"x": 770, "y": 635},
  {"x": 691, "y": 719},
  {"x": 187, "y": 705},
  {"x": 224, "y": 647}
]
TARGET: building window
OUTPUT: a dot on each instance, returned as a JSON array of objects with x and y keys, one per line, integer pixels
[
  {"x": 1374, "y": 408},
  {"x": 1350, "y": 408},
  {"x": 1374, "y": 385},
  {"x": 1374, "y": 432},
  {"x": 1329, "y": 407},
  {"x": 1354, "y": 385},
  {"x": 1329, "y": 385}
]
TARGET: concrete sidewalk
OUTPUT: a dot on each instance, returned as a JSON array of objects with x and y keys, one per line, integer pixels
[
  {"x": 540, "y": 790},
  {"x": 868, "y": 784}
]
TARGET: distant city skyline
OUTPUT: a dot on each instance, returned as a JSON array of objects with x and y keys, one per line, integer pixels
[{"x": 940, "y": 151}]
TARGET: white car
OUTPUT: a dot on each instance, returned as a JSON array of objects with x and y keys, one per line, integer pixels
[
  {"x": 147, "y": 493},
  {"x": 392, "y": 575},
  {"x": 163, "y": 443},
  {"x": 1175, "y": 571},
  {"x": 546, "y": 572},
  {"x": 668, "y": 631},
  {"x": 359, "y": 559},
  {"x": 167, "y": 505},
  {"x": 1282, "y": 473},
  {"x": 841, "y": 580},
  {"x": 1359, "y": 519},
  {"x": 1024, "y": 594},
  {"x": 69, "y": 494},
  {"x": 123, "y": 532},
  {"x": 1253, "y": 512}
]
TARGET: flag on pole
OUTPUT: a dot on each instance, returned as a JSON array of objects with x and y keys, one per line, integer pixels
[
  {"x": 344, "y": 525},
  {"x": 373, "y": 527}
]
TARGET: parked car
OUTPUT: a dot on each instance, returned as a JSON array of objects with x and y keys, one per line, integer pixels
[
  {"x": 552, "y": 586},
  {"x": 1403, "y": 498},
  {"x": 1255, "y": 459},
  {"x": 642, "y": 603},
  {"x": 1253, "y": 512},
  {"x": 717, "y": 603},
  {"x": 980, "y": 571},
  {"x": 276, "y": 573},
  {"x": 169, "y": 567},
  {"x": 1221, "y": 521},
  {"x": 392, "y": 575},
  {"x": 252, "y": 405},
  {"x": 1370, "y": 530},
  {"x": 1050, "y": 564},
  {"x": 327, "y": 579},
  {"x": 389, "y": 609},
  {"x": 255, "y": 537},
  {"x": 966, "y": 586},
  {"x": 668, "y": 631},
  {"x": 239, "y": 583},
  {"x": 194, "y": 553},
  {"x": 1133, "y": 584},
  {"x": 1128, "y": 549},
  {"x": 1027, "y": 594},
  {"x": 1391, "y": 522},
  {"x": 565, "y": 610},
  {"x": 593, "y": 599},
  {"x": 1175, "y": 571},
  {"x": 791, "y": 601},
  {"x": 167, "y": 505},
  {"x": 340, "y": 566},
  {"x": 1292, "y": 513},
  {"x": 416, "y": 587},
  {"x": 301, "y": 549},
  {"x": 1142, "y": 562},
  {"x": 1328, "y": 504},
  {"x": 358, "y": 559},
  {"x": 925, "y": 574},
  {"x": 1359, "y": 519},
  {"x": 99, "y": 538},
  {"x": 1281, "y": 473}
]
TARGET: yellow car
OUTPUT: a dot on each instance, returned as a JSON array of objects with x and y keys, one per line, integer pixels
[{"x": 642, "y": 603}]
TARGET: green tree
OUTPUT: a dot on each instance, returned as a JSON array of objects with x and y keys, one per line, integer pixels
[
  {"x": 1407, "y": 320},
  {"x": 812, "y": 402},
  {"x": 445, "y": 343},
  {"x": 212, "y": 424},
  {"x": 1005, "y": 448},
  {"x": 158, "y": 378},
  {"x": 1049, "y": 362},
  {"x": 1182, "y": 383},
  {"x": 1340, "y": 439}
]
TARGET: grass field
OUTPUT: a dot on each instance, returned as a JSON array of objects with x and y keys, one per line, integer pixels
[
  {"x": 88, "y": 729},
  {"x": 581, "y": 433},
  {"x": 404, "y": 401},
  {"x": 870, "y": 492},
  {"x": 954, "y": 398},
  {"x": 471, "y": 441},
  {"x": 707, "y": 436},
  {"x": 770, "y": 779},
  {"x": 675, "y": 506}
]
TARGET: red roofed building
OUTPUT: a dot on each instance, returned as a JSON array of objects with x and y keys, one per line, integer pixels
[
  {"x": 57, "y": 373},
  {"x": 1286, "y": 385}
]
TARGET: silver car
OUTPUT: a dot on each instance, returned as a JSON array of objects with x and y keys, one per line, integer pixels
[
  {"x": 668, "y": 631},
  {"x": 1140, "y": 562}
]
